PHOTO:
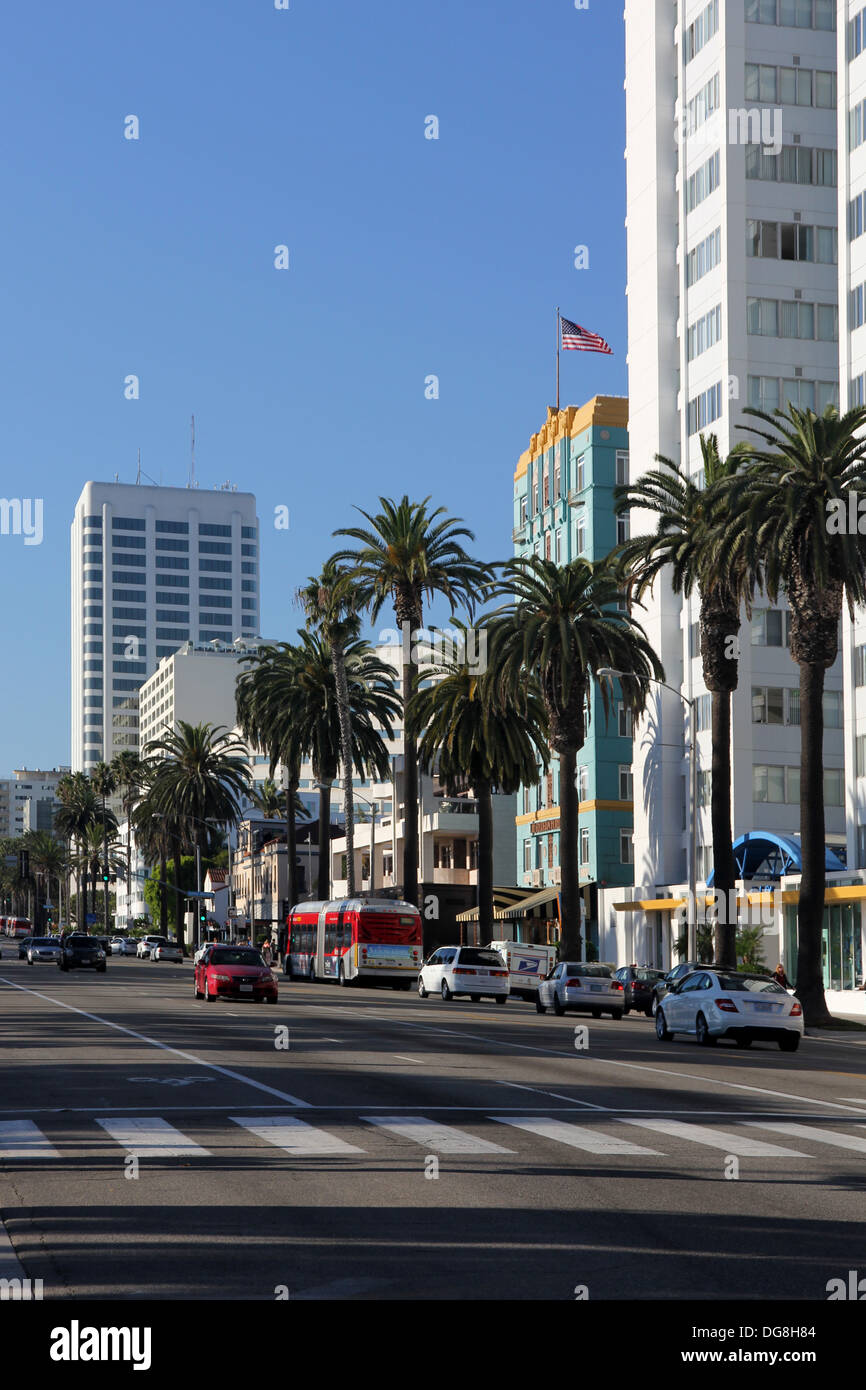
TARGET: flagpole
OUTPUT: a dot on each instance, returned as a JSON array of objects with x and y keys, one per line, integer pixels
[{"x": 558, "y": 341}]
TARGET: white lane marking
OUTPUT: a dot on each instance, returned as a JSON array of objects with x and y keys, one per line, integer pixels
[
  {"x": 24, "y": 1139},
  {"x": 596, "y": 1060},
  {"x": 10, "y": 1265},
  {"x": 576, "y": 1136},
  {"x": 717, "y": 1139},
  {"x": 817, "y": 1134},
  {"x": 164, "y": 1047},
  {"x": 295, "y": 1136},
  {"x": 400, "y": 1057},
  {"x": 856, "y": 1100},
  {"x": 148, "y": 1136},
  {"x": 588, "y": 1104},
  {"x": 433, "y": 1135}
]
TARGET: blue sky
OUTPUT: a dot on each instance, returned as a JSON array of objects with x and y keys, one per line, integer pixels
[{"x": 408, "y": 257}]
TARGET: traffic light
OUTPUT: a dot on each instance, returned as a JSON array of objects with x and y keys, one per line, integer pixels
[
  {"x": 24, "y": 863},
  {"x": 105, "y": 874},
  {"x": 202, "y": 915}
]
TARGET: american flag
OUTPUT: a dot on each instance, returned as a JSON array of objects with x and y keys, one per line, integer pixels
[{"x": 580, "y": 339}]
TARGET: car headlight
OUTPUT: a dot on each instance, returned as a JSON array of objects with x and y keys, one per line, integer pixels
[{"x": 223, "y": 979}]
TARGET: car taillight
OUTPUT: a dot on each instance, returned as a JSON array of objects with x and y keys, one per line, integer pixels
[
  {"x": 615, "y": 984},
  {"x": 572, "y": 980},
  {"x": 795, "y": 1010},
  {"x": 727, "y": 1006},
  {"x": 463, "y": 970},
  {"x": 499, "y": 972}
]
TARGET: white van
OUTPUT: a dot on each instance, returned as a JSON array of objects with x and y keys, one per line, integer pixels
[{"x": 526, "y": 965}]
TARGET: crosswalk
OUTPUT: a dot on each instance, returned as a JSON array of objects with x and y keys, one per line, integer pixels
[{"x": 155, "y": 1137}]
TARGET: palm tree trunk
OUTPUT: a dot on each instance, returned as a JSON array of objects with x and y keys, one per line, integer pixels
[
  {"x": 724, "y": 867},
  {"x": 342, "y": 688},
  {"x": 410, "y": 788},
  {"x": 105, "y": 869},
  {"x": 484, "y": 794},
  {"x": 324, "y": 887},
  {"x": 178, "y": 895},
  {"x": 82, "y": 888},
  {"x": 810, "y": 914},
  {"x": 569, "y": 857},
  {"x": 128, "y": 866},
  {"x": 291, "y": 844},
  {"x": 163, "y": 892}
]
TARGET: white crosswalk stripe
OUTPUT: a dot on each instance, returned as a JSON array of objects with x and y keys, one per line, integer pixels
[
  {"x": 740, "y": 1144},
  {"x": 296, "y": 1137},
  {"x": 24, "y": 1139},
  {"x": 576, "y": 1136},
  {"x": 148, "y": 1136},
  {"x": 441, "y": 1138},
  {"x": 816, "y": 1134}
]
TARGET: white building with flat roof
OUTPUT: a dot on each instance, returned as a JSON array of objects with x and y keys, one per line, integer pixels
[{"x": 152, "y": 568}]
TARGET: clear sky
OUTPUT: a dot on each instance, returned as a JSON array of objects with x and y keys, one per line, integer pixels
[{"x": 408, "y": 257}]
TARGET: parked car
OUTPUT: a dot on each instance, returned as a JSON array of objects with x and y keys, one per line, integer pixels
[
  {"x": 710, "y": 1004},
  {"x": 148, "y": 944},
  {"x": 638, "y": 984},
  {"x": 579, "y": 985},
  {"x": 476, "y": 971},
  {"x": 678, "y": 972},
  {"x": 124, "y": 946},
  {"x": 23, "y": 946},
  {"x": 81, "y": 952},
  {"x": 43, "y": 948},
  {"x": 527, "y": 964},
  {"x": 168, "y": 951},
  {"x": 234, "y": 972}
]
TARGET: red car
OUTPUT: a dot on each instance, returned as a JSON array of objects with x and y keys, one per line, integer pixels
[{"x": 234, "y": 972}]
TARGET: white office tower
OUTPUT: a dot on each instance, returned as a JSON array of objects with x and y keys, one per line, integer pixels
[
  {"x": 152, "y": 568},
  {"x": 732, "y": 301}
]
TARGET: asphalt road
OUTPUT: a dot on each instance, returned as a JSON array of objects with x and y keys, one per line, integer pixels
[{"x": 156, "y": 1146}]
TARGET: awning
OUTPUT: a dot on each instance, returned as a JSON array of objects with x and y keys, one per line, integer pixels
[
  {"x": 502, "y": 898},
  {"x": 520, "y": 909}
]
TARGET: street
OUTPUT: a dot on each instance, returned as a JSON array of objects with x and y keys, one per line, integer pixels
[{"x": 363, "y": 1144}]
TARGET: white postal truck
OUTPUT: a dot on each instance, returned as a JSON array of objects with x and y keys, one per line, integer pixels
[{"x": 526, "y": 965}]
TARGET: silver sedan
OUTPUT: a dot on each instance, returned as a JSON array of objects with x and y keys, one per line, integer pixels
[
  {"x": 586, "y": 988},
  {"x": 43, "y": 948}
]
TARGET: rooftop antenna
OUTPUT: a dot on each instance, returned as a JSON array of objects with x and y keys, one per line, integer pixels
[
  {"x": 192, "y": 454},
  {"x": 138, "y": 474}
]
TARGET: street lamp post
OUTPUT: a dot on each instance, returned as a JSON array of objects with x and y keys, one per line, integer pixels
[
  {"x": 608, "y": 671},
  {"x": 374, "y": 812}
]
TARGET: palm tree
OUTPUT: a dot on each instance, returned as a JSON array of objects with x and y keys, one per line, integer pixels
[
  {"x": 485, "y": 746},
  {"x": 267, "y": 800},
  {"x": 561, "y": 627},
  {"x": 330, "y": 602},
  {"x": 198, "y": 774},
  {"x": 373, "y": 703},
  {"x": 128, "y": 772},
  {"x": 266, "y": 698},
  {"x": 154, "y": 836},
  {"x": 48, "y": 860},
  {"x": 102, "y": 777},
  {"x": 407, "y": 553},
  {"x": 96, "y": 854},
  {"x": 77, "y": 812},
  {"x": 794, "y": 520},
  {"x": 690, "y": 546}
]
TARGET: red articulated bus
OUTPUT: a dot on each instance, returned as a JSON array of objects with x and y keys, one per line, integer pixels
[
  {"x": 19, "y": 926},
  {"x": 355, "y": 940}
]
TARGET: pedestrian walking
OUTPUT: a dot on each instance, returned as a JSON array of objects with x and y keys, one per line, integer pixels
[
  {"x": 266, "y": 953},
  {"x": 780, "y": 977}
]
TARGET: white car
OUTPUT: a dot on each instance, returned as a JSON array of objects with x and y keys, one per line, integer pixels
[
  {"x": 147, "y": 945},
  {"x": 43, "y": 948},
  {"x": 575, "y": 984},
  {"x": 167, "y": 951},
  {"x": 124, "y": 946},
  {"x": 748, "y": 1007},
  {"x": 476, "y": 971}
]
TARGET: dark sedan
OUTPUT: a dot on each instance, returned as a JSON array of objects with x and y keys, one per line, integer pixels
[
  {"x": 638, "y": 983},
  {"x": 81, "y": 953}
]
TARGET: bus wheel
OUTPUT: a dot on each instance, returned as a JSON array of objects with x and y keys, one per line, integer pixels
[
  {"x": 341, "y": 976},
  {"x": 312, "y": 973}
]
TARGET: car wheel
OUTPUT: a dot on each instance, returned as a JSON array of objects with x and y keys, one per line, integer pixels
[
  {"x": 446, "y": 992},
  {"x": 650, "y": 1011},
  {"x": 662, "y": 1032},
  {"x": 196, "y": 990},
  {"x": 558, "y": 1008},
  {"x": 616, "y": 1013},
  {"x": 502, "y": 998},
  {"x": 29, "y": 960},
  {"x": 209, "y": 998},
  {"x": 341, "y": 976},
  {"x": 702, "y": 1032},
  {"x": 539, "y": 1007},
  {"x": 422, "y": 992},
  {"x": 626, "y": 1009},
  {"x": 100, "y": 969},
  {"x": 790, "y": 1044},
  {"x": 654, "y": 1008},
  {"x": 270, "y": 999},
  {"x": 743, "y": 1042},
  {"x": 596, "y": 1013}
]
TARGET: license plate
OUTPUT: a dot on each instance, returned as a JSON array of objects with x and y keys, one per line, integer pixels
[
  {"x": 246, "y": 989},
  {"x": 596, "y": 989},
  {"x": 765, "y": 1008}
]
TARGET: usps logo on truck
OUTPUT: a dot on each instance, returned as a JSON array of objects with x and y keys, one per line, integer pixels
[{"x": 527, "y": 965}]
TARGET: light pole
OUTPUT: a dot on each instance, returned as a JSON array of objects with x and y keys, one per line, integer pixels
[
  {"x": 327, "y": 787},
  {"x": 374, "y": 812},
  {"x": 691, "y": 906}
]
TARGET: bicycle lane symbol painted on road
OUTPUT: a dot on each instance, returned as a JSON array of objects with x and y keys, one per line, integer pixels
[{"x": 170, "y": 1080}]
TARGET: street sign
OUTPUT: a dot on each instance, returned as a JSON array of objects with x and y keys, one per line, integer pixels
[{"x": 91, "y": 919}]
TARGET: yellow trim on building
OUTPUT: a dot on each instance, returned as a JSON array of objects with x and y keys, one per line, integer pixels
[
  {"x": 573, "y": 420},
  {"x": 584, "y": 807},
  {"x": 849, "y": 893}
]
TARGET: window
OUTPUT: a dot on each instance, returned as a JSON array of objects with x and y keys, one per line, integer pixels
[
  {"x": 247, "y": 567},
  {"x": 705, "y": 408},
  {"x": 704, "y": 788},
  {"x": 856, "y": 125},
  {"x": 706, "y": 332},
  {"x": 762, "y": 317},
  {"x": 215, "y": 566},
  {"x": 703, "y": 182},
  {"x": 522, "y": 521},
  {"x": 622, "y": 529},
  {"x": 700, "y": 31},
  {"x": 795, "y": 87},
  {"x": 165, "y": 615},
  {"x": 834, "y": 788},
  {"x": 621, "y": 468},
  {"x": 584, "y": 845},
  {"x": 761, "y": 11},
  {"x": 856, "y": 302},
  {"x": 860, "y": 749},
  {"x": 580, "y": 473},
  {"x": 215, "y": 637},
  {"x": 125, "y": 577},
  {"x": 768, "y": 784},
  {"x": 626, "y": 783},
  {"x": 164, "y": 544},
  {"x": 828, "y": 323},
  {"x": 249, "y": 533},
  {"x": 177, "y": 528},
  {"x": 860, "y": 665},
  {"x": 761, "y": 82},
  {"x": 171, "y": 634},
  {"x": 172, "y": 562},
  {"x": 855, "y": 217},
  {"x": 129, "y": 542},
  {"x": 626, "y": 847},
  {"x": 832, "y": 709},
  {"x": 583, "y": 784},
  {"x": 206, "y": 529},
  {"x": 764, "y": 392},
  {"x": 625, "y": 721},
  {"x": 768, "y": 705},
  {"x": 580, "y": 535},
  {"x": 127, "y": 523},
  {"x": 825, "y": 89},
  {"x": 214, "y": 548},
  {"x": 704, "y": 258}
]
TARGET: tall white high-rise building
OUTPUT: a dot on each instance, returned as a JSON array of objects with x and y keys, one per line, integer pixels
[
  {"x": 152, "y": 568},
  {"x": 731, "y": 158}
]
